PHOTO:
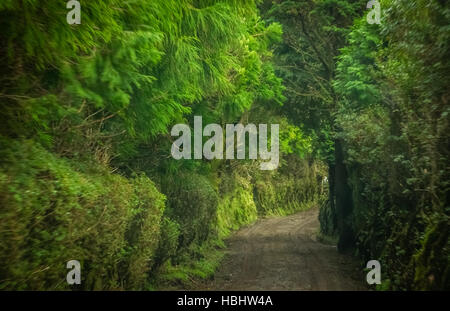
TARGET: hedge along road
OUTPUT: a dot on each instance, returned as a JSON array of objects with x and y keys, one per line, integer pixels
[{"x": 283, "y": 253}]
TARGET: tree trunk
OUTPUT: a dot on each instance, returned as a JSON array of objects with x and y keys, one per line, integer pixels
[{"x": 344, "y": 202}]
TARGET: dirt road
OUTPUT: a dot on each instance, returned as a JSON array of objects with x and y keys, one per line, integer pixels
[{"x": 283, "y": 254}]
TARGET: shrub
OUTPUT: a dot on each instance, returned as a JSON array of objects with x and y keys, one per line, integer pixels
[
  {"x": 55, "y": 210},
  {"x": 192, "y": 203}
]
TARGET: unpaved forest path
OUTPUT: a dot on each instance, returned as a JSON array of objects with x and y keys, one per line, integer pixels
[{"x": 283, "y": 254}]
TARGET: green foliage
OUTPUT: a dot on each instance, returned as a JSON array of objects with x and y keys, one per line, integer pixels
[
  {"x": 356, "y": 67},
  {"x": 293, "y": 140},
  {"x": 297, "y": 186},
  {"x": 168, "y": 242},
  {"x": 313, "y": 33},
  {"x": 236, "y": 207},
  {"x": 433, "y": 255},
  {"x": 143, "y": 232},
  {"x": 54, "y": 210},
  {"x": 37, "y": 33},
  {"x": 173, "y": 276},
  {"x": 393, "y": 116},
  {"x": 192, "y": 203}
]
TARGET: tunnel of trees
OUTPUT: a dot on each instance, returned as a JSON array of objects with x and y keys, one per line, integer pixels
[{"x": 86, "y": 111}]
